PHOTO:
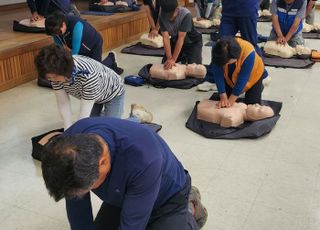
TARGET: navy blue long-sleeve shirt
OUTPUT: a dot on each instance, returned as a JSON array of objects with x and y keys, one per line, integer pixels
[
  {"x": 45, "y": 7},
  {"x": 243, "y": 76},
  {"x": 144, "y": 173}
]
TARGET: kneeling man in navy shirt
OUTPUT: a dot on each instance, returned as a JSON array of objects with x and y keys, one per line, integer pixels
[{"x": 130, "y": 168}]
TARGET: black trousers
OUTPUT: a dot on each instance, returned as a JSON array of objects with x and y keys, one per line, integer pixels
[
  {"x": 190, "y": 53},
  {"x": 253, "y": 95},
  {"x": 173, "y": 215}
]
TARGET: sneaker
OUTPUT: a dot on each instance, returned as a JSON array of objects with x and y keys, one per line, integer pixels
[
  {"x": 199, "y": 211},
  {"x": 141, "y": 113},
  {"x": 207, "y": 86}
]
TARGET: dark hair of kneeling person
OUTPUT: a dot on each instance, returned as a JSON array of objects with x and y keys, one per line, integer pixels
[{"x": 236, "y": 68}]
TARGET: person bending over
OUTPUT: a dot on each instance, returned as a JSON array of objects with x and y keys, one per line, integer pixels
[
  {"x": 130, "y": 168},
  {"x": 99, "y": 88},
  {"x": 287, "y": 16},
  {"x": 78, "y": 37},
  {"x": 43, "y": 8},
  {"x": 185, "y": 42},
  {"x": 153, "y": 10},
  {"x": 237, "y": 69}
]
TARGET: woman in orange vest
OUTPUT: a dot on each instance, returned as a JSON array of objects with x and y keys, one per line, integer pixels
[{"x": 237, "y": 69}]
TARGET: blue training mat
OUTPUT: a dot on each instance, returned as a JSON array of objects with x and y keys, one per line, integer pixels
[{"x": 96, "y": 13}]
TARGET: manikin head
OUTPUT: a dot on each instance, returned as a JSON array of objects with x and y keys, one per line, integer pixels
[
  {"x": 56, "y": 23},
  {"x": 74, "y": 165},
  {"x": 258, "y": 112},
  {"x": 54, "y": 63},
  {"x": 196, "y": 70},
  {"x": 169, "y": 9},
  {"x": 226, "y": 51}
]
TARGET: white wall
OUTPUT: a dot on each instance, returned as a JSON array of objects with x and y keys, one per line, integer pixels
[{"x": 6, "y": 2}]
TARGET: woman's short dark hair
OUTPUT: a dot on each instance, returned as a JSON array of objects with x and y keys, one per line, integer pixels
[
  {"x": 226, "y": 48},
  {"x": 54, "y": 59},
  {"x": 70, "y": 164},
  {"x": 53, "y": 23}
]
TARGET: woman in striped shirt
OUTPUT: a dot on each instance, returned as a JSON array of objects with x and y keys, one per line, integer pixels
[{"x": 99, "y": 88}]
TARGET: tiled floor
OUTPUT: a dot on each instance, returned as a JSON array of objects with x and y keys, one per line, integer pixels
[{"x": 271, "y": 183}]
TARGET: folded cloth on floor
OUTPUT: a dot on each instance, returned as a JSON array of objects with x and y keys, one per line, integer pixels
[
  {"x": 27, "y": 29},
  {"x": 186, "y": 83},
  {"x": 311, "y": 35},
  {"x": 295, "y": 63},
  {"x": 207, "y": 30},
  {"x": 140, "y": 49},
  {"x": 37, "y": 142},
  {"x": 96, "y": 13},
  {"x": 252, "y": 129}
]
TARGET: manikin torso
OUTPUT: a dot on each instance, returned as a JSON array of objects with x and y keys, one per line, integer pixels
[
  {"x": 178, "y": 72},
  {"x": 232, "y": 116}
]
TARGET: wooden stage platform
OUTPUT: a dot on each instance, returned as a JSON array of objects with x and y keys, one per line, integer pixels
[{"x": 17, "y": 50}]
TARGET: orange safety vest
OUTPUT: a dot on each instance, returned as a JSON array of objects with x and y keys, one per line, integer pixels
[{"x": 256, "y": 72}]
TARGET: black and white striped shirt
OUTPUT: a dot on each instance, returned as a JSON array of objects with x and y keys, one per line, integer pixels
[{"x": 91, "y": 80}]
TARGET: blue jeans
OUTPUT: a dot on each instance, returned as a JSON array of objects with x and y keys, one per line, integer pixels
[{"x": 113, "y": 108}]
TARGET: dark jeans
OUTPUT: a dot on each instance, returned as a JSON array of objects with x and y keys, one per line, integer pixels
[
  {"x": 246, "y": 25},
  {"x": 253, "y": 95},
  {"x": 173, "y": 215},
  {"x": 190, "y": 53}
]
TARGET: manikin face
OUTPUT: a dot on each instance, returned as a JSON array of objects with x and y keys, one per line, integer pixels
[{"x": 259, "y": 111}]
